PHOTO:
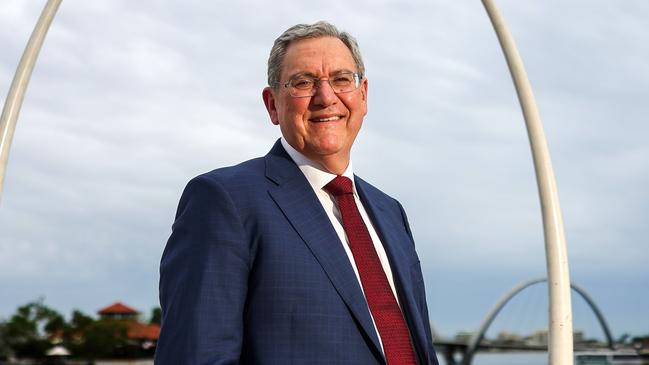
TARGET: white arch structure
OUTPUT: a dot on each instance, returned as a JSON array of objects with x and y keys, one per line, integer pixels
[
  {"x": 489, "y": 318},
  {"x": 19, "y": 84},
  {"x": 560, "y": 346}
]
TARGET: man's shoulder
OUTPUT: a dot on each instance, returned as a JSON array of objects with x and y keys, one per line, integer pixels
[
  {"x": 236, "y": 181},
  {"x": 248, "y": 170},
  {"x": 240, "y": 183},
  {"x": 372, "y": 191}
]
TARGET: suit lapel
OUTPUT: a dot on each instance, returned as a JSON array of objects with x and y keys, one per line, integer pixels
[
  {"x": 389, "y": 225},
  {"x": 300, "y": 205}
]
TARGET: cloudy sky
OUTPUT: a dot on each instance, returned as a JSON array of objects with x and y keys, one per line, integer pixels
[{"x": 130, "y": 99}]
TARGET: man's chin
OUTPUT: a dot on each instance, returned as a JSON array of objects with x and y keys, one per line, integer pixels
[{"x": 327, "y": 151}]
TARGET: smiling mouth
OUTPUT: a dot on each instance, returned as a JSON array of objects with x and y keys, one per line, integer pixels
[{"x": 330, "y": 119}]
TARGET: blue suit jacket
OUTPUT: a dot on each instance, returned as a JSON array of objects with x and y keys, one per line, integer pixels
[{"x": 254, "y": 273}]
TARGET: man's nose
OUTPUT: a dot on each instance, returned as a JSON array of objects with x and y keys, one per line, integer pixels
[{"x": 324, "y": 94}]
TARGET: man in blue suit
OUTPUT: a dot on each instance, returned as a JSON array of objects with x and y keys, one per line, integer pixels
[{"x": 290, "y": 258}]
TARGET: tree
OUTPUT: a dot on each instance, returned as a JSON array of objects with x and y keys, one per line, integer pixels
[
  {"x": 79, "y": 322},
  {"x": 4, "y": 347},
  {"x": 74, "y": 335},
  {"x": 55, "y": 325},
  {"x": 156, "y": 316},
  {"x": 624, "y": 339},
  {"x": 27, "y": 331},
  {"x": 105, "y": 337}
]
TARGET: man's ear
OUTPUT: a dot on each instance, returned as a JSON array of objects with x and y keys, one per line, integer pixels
[
  {"x": 364, "y": 94},
  {"x": 269, "y": 102},
  {"x": 364, "y": 89}
]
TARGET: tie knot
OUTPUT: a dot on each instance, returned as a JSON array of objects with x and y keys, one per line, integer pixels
[{"x": 339, "y": 185}]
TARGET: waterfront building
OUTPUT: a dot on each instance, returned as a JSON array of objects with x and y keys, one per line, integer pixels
[{"x": 144, "y": 335}]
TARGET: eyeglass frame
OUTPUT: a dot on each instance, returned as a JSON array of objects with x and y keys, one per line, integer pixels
[{"x": 358, "y": 78}]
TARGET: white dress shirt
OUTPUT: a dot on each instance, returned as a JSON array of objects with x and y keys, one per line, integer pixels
[{"x": 318, "y": 178}]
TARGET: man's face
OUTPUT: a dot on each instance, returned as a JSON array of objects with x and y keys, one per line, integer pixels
[{"x": 322, "y": 127}]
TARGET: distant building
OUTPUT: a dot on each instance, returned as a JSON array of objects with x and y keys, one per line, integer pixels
[
  {"x": 464, "y": 336},
  {"x": 538, "y": 338},
  {"x": 641, "y": 344},
  {"x": 144, "y": 335},
  {"x": 506, "y": 337},
  {"x": 118, "y": 311}
]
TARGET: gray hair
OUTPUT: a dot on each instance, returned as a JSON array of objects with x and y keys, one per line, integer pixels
[{"x": 304, "y": 31}]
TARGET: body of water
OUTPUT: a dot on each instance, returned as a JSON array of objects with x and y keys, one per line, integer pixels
[{"x": 507, "y": 358}]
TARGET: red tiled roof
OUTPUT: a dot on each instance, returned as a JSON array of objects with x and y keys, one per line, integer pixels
[
  {"x": 141, "y": 331},
  {"x": 118, "y": 308}
]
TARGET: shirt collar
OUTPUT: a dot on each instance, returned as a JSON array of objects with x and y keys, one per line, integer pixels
[{"x": 313, "y": 171}]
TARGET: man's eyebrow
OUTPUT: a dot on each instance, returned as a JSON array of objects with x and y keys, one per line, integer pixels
[
  {"x": 301, "y": 74},
  {"x": 340, "y": 71},
  {"x": 310, "y": 74}
]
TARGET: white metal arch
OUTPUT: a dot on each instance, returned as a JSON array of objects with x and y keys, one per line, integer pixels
[
  {"x": 560, "y": 346},
  {"x": 16, "y": 94}
]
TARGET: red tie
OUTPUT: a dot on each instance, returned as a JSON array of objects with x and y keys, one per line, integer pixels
[{"x": 380, "y": 298}]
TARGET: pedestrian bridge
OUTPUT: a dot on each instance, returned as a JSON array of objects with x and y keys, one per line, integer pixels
[{"x": 449, "y": 349}]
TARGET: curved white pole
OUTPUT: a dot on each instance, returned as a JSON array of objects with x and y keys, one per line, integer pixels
[
  {"x": 560, "y": 346},
  {"x": 19, "y": 85}
]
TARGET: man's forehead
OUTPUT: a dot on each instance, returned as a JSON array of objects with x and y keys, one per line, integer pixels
[{"x": 314, "y": 55}]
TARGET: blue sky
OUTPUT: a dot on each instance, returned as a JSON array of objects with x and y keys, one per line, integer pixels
[{"x": 129, "y": 100}]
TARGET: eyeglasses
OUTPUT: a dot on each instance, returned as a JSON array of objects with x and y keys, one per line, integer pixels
[{"x": 305, "y": 86}]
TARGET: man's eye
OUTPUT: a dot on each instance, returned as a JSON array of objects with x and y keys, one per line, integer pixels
[
  {"x": 302, "y": 83},
  {"x": 341, "y": 80}
]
